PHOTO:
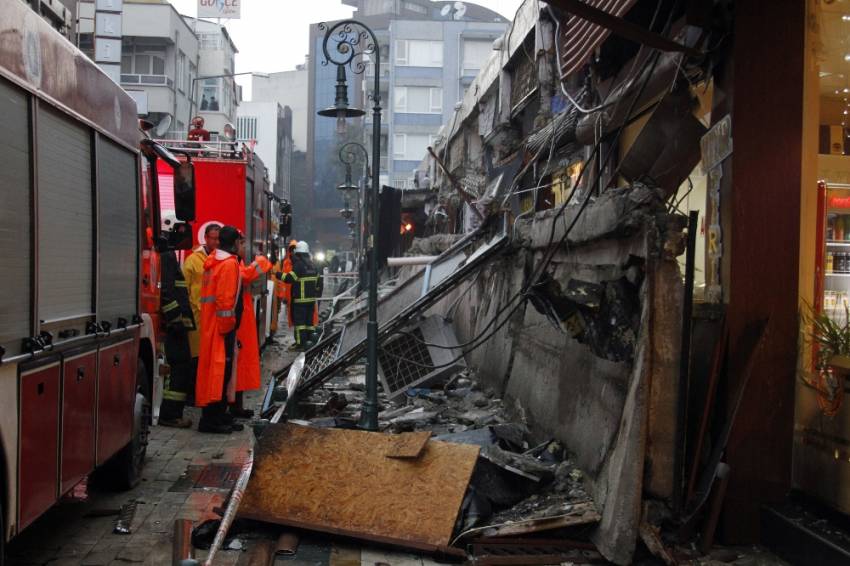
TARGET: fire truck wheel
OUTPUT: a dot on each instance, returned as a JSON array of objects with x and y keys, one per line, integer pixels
[{"x": 124, "y": 471}]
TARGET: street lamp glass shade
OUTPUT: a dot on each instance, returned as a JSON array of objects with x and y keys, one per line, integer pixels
[
  {"x": 346, "y": 213},
  {"x": 340, "y": 109},
  {"x": 348, "y": 186}
]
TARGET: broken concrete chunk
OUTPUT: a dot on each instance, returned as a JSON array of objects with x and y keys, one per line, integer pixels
[
  {"x": 416, "y": 416},
  {"x": 478, "y": 417}
]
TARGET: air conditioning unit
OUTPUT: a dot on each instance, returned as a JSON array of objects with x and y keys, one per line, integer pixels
[{"x": 426, "y": 352}]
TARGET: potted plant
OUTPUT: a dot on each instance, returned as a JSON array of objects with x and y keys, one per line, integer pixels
[{"x": 831, "y": 339}]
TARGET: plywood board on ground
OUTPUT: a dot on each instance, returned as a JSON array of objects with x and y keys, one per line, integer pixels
[
  {"x": 341, "y": 481},
  {"x": 408, "y": 444}
]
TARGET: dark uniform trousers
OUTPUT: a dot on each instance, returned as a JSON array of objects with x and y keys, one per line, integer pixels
[
  {"x": 306, "y": 287},
  {"x": 177, "y": 315}
]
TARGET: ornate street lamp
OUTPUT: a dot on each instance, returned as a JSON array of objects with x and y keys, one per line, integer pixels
[{"x": 352, "y": 41}]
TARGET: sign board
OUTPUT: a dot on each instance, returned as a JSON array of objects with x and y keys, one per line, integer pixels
[
  {"x": 716, "y": 144},
  {"x": 224, "y": 9},
  {"x": 107, "y": 24},
  {"x": 107, "y": 50}
]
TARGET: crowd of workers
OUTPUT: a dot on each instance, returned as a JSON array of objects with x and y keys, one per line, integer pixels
[{"x": 211, "y": 344}]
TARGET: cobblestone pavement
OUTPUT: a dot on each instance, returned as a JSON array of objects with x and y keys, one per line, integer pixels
[
  {"x": 187, "y": 474},
  {"x": 78, "y": 531}
]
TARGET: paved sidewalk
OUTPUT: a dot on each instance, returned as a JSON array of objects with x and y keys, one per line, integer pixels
[{"x": 186, "y": 475}]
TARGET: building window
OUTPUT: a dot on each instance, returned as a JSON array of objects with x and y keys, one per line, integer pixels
[
  {"x": 211, "y": 95},
  {"x": 246, "y": 128},
  {"x": 143, "y": 61},
  {"x": 412, "y": 147},
  {"x": 418, "y": 99},
  {"x": 476, "y": 52},
  {"x": 418, "y": 53}
]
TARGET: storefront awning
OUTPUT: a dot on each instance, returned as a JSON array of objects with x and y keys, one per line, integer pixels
[
  {"x": 587, "y": 23},
  {"x": 580, "y": 37}
]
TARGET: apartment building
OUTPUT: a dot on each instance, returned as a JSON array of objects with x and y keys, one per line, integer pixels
[{"x": 430, "y": 52}]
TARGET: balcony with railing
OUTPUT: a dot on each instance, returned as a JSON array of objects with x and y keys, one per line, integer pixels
[{"x": 147, "y": 80}]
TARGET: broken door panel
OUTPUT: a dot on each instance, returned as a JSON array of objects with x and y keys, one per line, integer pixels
[{"x": 343, "y": 482}]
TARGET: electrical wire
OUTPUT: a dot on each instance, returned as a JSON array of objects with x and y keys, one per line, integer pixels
[{"x": 551, "y": 250}]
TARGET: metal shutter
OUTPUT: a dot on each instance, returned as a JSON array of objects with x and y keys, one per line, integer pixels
[
  {"x": 65, "y": 231},
  {"x": 15, "y": 237},
  {"x": 118, "y": 223}
]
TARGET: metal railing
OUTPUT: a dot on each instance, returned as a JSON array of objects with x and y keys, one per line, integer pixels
[
  {"x": 218, "y": 149},
  {"x": 154, "y": 80}
]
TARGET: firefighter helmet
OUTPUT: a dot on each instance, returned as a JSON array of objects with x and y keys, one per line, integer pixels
[
  {"x": 167, "y": 221},
  {"x": 302, "y": 248}
]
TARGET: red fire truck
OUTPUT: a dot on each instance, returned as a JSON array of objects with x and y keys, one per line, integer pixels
[
  {"x": 232, "y": 188},
  {"x": 79, "y": 212}
]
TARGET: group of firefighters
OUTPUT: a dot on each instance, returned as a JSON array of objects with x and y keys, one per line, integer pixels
[{"x": 211, "y": 343}]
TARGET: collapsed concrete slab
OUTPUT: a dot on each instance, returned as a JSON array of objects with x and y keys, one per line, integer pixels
[{"x": 606, "y": 387}]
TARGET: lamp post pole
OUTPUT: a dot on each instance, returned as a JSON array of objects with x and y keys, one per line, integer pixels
[
  {"x": 353, "y": 40},
  {"x": 347, "y": 156}
]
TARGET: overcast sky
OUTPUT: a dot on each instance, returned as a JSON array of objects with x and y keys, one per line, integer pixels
[{"x": 272, "y": 34}]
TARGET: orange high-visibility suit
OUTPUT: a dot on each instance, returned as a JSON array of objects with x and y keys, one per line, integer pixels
[
  {"x": 248, "y": 361},
  {"x": 219, "y": 292}
]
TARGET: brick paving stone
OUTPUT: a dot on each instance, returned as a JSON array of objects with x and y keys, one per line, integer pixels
[{"x": 72, "y": 534}]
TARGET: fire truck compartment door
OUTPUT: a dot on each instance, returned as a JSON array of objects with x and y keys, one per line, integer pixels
[
  {"x": 116, "y": 378},
  {"x": 38, "y": 471},
  {"x": 79, "y": 379},
  {"x": 65, "y": 218},
  {"x": 118, "y": 220},
  {"x": 15, "y": 252}
]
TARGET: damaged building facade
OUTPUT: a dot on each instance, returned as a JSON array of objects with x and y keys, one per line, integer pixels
[
  {"x": 628, "y": 281},
  {"x": 659, "y": 346}
]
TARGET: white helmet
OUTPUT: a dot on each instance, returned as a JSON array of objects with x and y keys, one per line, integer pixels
[
  {"x": 302, "y": 248},
  {"x": 167, "y": 221}
]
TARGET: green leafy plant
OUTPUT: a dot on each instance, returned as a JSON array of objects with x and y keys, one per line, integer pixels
[{"x": 829, "y": 336}]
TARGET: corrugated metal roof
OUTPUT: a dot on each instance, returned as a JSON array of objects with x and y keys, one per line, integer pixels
[{"x": 579, "y": 38}]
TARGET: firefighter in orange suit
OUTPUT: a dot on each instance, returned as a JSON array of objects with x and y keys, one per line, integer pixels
[
  {"x": 248, "y": 360},
  {"x": 193, "y": 272},
  {"x": 221, "y": 313}
]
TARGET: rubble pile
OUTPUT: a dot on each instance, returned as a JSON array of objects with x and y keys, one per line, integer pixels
[{"x": 518, "y": 484}]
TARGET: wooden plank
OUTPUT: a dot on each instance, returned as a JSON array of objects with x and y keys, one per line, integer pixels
[
  {"x": 408, "y": 444},
  {"x": 341, "y": 482}
]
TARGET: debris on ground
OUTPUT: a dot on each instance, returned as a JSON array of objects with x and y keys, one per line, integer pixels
[{"x": 450, "y": 466}]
